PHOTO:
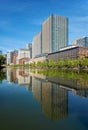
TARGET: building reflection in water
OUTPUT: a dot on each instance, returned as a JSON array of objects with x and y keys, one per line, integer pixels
[
  {"x": 50, "y": 92},
  {"x": 53, "y": 99},
  {"x": 20, "y": 76}
]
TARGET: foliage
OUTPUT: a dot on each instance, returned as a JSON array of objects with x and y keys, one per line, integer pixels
[
  {"x": 68, "y": 63},
  {"x": 2, "y": 75},
  {"x": 2, "y": 60},
  {"x": 62, "y": 63}
]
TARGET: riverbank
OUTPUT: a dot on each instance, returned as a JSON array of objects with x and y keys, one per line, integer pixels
[{"x": 74, "y": 69}]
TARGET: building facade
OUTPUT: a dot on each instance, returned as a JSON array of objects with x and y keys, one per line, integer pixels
[
  {"x": 72, "y": 52},
  {"x": 23, "y": 55},
  {"x": 29, "y": 46},
  {"x": 54, "y": 33},
  {"x": 82, "y": 41},
  {"x": 36, "y": 45},
  {"x": 9, "y": 57}
]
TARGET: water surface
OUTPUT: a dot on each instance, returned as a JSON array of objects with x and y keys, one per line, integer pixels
[{"x": 33, "y": 100}]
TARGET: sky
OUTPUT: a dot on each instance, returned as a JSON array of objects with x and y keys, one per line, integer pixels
[{"x": 20, "y": 20}]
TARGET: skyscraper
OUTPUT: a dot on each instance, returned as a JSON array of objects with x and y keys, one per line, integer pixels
[
  {"x": 29, "y": 46},
  {"x": 82, "y": 41},
  {"x": 9, "y": 57},
  {"x": 36, "y": 45},
  {"x": 54, "y": 33}
]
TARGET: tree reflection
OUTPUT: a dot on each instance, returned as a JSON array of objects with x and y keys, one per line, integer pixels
[{"x": 2, "y": 75}]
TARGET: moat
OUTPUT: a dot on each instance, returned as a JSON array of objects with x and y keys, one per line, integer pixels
[{"x": 43, "y": 100}]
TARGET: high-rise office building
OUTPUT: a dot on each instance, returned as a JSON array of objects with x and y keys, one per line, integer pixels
[
  {"x": 36, "y": 45},
  {"x": 54, "y": 33},
  {"x": 29, "y": 46},
  {"x": 82, "y": 41},
  {"x": 9, "y": 57}
]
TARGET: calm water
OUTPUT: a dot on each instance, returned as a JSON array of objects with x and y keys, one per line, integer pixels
[{"x": 30, "y": 101}]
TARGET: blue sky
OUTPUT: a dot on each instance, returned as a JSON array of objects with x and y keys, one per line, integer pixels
[{"x": 20, "y": 20}]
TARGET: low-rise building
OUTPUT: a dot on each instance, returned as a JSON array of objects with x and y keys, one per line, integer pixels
[
  {"x": 23, "y": 55},
  {"x": 72, "y": 52}
]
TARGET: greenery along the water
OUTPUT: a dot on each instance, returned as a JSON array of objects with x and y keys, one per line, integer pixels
[
  {"x": 64, "y": 74},
  {"x": 2, "y": 75},
  {"x": 78, "y": 80},
  {"x": 69, "y": 63},
  {"x": 2, "y": 60}
]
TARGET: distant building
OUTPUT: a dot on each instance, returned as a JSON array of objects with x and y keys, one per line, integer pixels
[
  {"x": 9, "y": 57},
  {"x": 82, "y": 41},
  {"x": 15, "y": 55},
  {"x": 54, "y": 33},
  {"x": 53, "y": 36},
  {"x": 23, "y": 55},
  {"x": 29, "y": 46},
  {"x": 36, "y": 45}
]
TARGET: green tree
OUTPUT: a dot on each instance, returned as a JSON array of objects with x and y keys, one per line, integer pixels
[
  {"x": 2, "y": 75},
  {"x": 84, "y": 62},
  {"x": 2, "y": 60}
]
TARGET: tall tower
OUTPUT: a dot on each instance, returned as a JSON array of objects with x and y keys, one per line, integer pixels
[
  {"x": 54, "y": 33},
  {"x": 36, "y": 45}
]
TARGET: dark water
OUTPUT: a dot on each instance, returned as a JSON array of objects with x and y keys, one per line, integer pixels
[{"x": 30, "y": 101}]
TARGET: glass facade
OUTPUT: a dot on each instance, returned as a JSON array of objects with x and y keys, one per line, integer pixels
[
  {"x": 82, "y": 41},
  {"x": 36, "y": 45},
  {"x": 59, "y": 32},
  {"x": 86, "y": 41},
  {"x": 54, "y": 33}
]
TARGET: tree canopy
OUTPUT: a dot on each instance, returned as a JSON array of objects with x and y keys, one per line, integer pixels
[{"x": 2, "y": 60}]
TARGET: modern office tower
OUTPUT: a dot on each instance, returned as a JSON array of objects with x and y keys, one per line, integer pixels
[
  {"x": 54, "y": 33},
  {"x": 9, "y": 75},
  {"x": 29, "y": 46},
  {"x": 37, "y": 89},
  {"x": 9, "y": 57},
  {"x": 82, "y": 41},
  {"x": 36, "y": 45},
  {"x": 54, "y": 101}
]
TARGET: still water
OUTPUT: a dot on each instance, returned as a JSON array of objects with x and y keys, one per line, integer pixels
[{"x": 31, "y": 100}]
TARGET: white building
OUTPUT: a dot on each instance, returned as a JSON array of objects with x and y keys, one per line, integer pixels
[
  {"x": 9, "y": 57},
  {"x": 23, "y": 53}
]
